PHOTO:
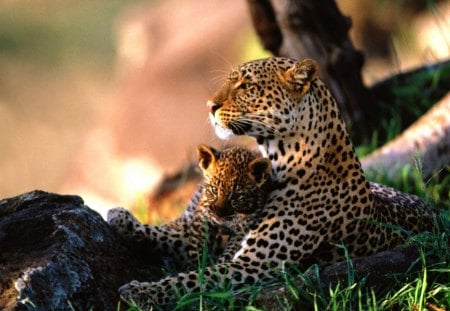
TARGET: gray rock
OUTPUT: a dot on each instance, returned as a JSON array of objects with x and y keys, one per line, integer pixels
[{"x": 58, "y": 254}]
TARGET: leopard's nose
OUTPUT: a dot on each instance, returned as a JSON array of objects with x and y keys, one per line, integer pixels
[{"x": 213, "y": 106}]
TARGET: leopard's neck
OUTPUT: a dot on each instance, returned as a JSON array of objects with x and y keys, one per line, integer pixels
[{"x": 317, "y": 150}]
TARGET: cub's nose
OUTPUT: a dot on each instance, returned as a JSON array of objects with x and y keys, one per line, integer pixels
[
  {"x": 224, "y": 212},
  {"x": 213, "y": 106}
]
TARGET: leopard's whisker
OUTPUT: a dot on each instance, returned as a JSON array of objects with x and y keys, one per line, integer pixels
[{"x": 259, "y": 122}]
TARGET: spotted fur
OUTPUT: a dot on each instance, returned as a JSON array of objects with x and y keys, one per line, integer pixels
[{"x": 322, "y": 197}]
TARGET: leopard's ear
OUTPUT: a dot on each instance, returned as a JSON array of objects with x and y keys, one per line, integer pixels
[
  {"x": 207, "y": 156},
  {"x": 298, "y": 78},
  {"x": 259, "y": 170}
]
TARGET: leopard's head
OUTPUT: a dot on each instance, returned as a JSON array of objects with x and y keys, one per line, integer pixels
[
  {"x": 259, "y": 97},
  {"x": 236, "y": 180}
]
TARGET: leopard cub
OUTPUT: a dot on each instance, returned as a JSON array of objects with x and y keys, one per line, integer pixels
[{"x": 235, "y": 185}]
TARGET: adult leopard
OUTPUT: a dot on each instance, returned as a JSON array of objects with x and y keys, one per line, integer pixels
[
  {"x": 322, "y": 198},
  {"x": 228, "y": 202}
]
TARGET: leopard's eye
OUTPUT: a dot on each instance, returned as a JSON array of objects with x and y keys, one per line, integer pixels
[
  {"x": 234, "y": 76},
  {"x": 243, "y": 86},
  {"x": 246, "y": 86}
]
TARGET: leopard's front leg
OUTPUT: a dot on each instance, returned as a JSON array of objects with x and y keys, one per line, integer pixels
[
  {"x": 243, "y": 269},
  {"x": 166, "y": 291}
]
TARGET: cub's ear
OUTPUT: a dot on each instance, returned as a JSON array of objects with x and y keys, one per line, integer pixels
[
  {"x": 259, "y": 170},
  {"x": 207, "y": 156},
  {"x": 298, "y": 78}
]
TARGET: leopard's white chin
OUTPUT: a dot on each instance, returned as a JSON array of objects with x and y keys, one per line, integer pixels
[{"x": 221, "y": 132}]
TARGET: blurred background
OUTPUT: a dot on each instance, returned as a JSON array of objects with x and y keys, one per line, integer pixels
[{"x": 102, "y": 98}]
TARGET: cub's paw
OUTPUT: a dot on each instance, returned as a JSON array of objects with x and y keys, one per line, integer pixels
[{"x": 122, "y": 221}]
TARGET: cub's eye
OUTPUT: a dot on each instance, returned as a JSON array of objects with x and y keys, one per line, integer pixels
[
  {"x": 214, "y": 189},
  {"x": 211, "y": 191}
]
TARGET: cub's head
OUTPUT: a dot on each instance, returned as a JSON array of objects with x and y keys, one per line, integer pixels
[
  {"x": 236, "y": 180},
  {"x": 260, "y": 98}
]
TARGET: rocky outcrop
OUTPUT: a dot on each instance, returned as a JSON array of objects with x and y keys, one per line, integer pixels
[{"x": 57, "y": 254}]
